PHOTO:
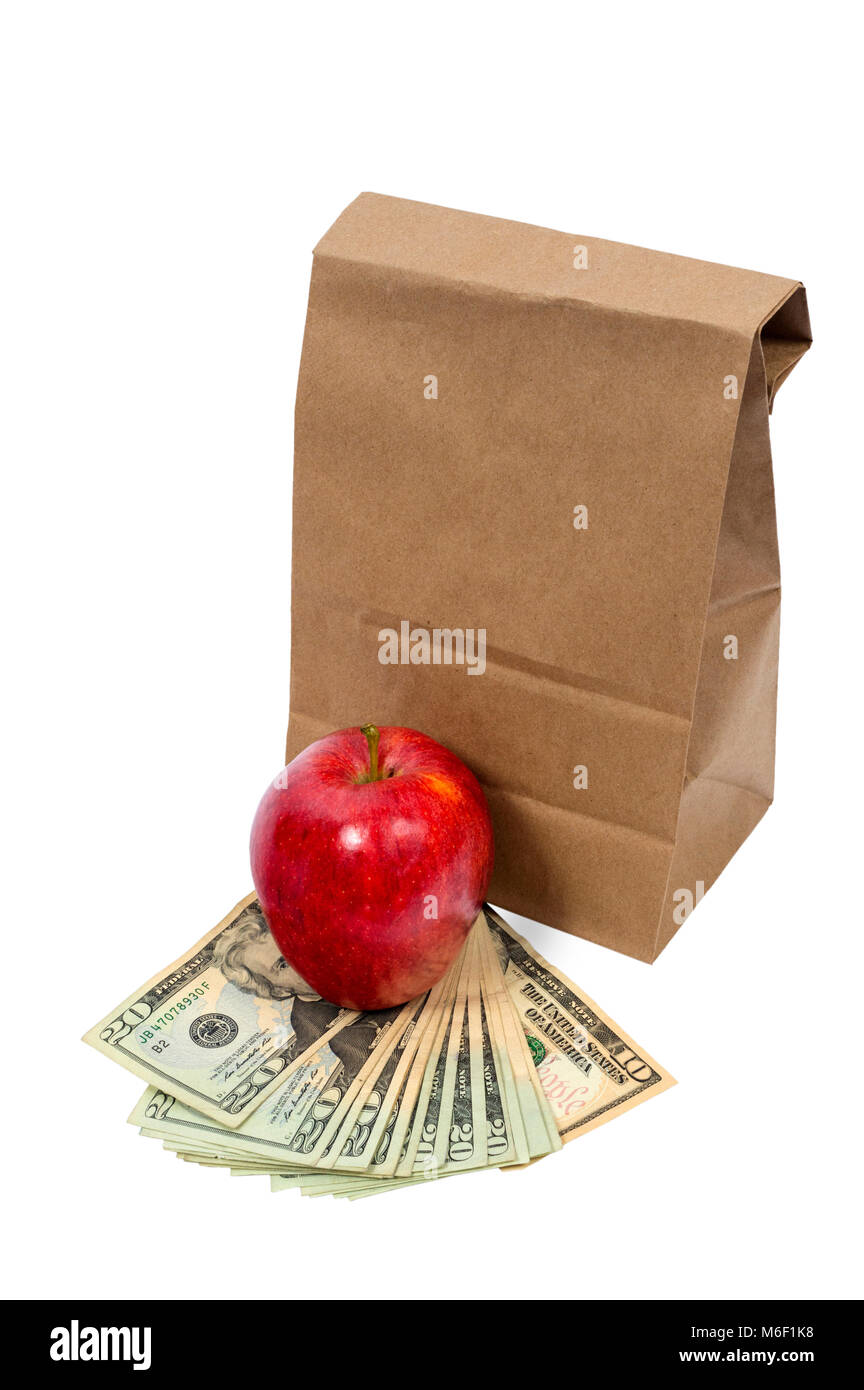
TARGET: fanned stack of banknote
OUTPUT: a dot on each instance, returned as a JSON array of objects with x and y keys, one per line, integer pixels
[{"x": 500, "y": 1064}]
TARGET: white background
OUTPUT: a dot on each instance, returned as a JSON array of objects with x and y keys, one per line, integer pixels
[{"x": 166, "y": 170}]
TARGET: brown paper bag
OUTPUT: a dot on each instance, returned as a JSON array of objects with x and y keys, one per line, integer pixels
[{"x": 534, "y": 517}]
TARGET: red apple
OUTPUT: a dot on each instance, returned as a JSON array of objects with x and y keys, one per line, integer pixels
[{"x": 371, "y": 856}]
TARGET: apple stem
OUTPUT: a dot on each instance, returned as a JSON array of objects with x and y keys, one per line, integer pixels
[{"x": 372, "y": 736}]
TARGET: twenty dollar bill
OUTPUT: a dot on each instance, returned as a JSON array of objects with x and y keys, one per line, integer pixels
[{"x": 226, "y": 1024}]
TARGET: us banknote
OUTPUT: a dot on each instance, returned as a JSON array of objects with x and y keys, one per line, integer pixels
[
  {"x": 588, "y": 1068},
  {"x": 498, "y": 1065},
  {"x": 225, "y": 1024}
]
